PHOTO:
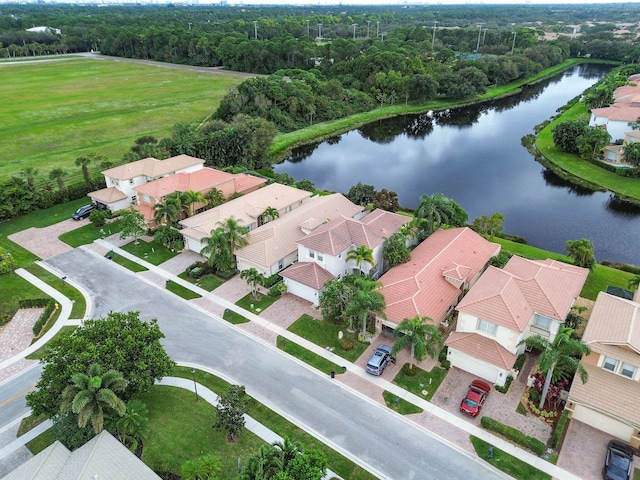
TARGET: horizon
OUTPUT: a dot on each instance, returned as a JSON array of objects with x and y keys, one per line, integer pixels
[{"x": 303, "y": 3}]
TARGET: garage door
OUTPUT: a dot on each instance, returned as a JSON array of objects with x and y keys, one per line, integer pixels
[
  {"x": 473, "y": 365},
  {"x": 602, "y": 422}
]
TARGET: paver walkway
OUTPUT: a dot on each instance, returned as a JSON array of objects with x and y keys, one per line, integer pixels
[{"x": 15, "y": 337}]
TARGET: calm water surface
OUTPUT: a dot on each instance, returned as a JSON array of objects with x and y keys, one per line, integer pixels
[{"x": 474, "y": 156}]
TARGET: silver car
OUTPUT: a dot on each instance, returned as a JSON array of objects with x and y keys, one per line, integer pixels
[{"x": 380, "y": 358}]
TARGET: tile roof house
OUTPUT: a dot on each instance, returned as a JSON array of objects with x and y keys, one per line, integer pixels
[
  {"x": 322, "y": 255},
  {"x": 434, "y": 279},
  {"x": 247, "y": 210},
  {"x": 618, "y": 117},
  {"x": 203, "y": 180},
  {"x": 613, "y": 367},
  {"x": 505, "y": 306},
  {"x": 122, "y": 180},
  {"x": 274, "y": 246},
  {"x": 613, "y": 153},
  {"x": 102, "y": 457}
]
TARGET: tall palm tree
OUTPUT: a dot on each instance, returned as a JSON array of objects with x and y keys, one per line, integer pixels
[
  {"x": 252, "y": 276},
  {"x": 214, "y": 197},
  {"x": 176, "y": 200},
  {"x": 287, "y": 450},
  {"x": 217, "y": 250},
  {"x": 563, "y": 355},
  {"x": 57, "y": 174},
  {"x": 432, "y": 212},
  {"x": 30, "y": 175},
  {"x": 93, "y": 393},
  {"x": 84, "y": 162},
  {"x": 236, "y": 233},
  {"x": 581, "y": 252},
  {"x": 189, "y": 198},
  {"x": 166, "y": 213},
  {"x": 634, "y": 282},
  {"x": 360, "y": 255},
  {"x": 270, "y": 213},
  {"x": 133, "y": 426},
  {"x": 366, "y": 299},
  {"x": 423, "y": 338},
  {"x": 263, "y": 464}
]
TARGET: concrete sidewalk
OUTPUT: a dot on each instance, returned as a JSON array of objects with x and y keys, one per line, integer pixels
[{"x": 459, "y": 423}]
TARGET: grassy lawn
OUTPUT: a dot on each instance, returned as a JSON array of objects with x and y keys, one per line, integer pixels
[
  {"x": 88, "y": 233},
  {"x": 256, "y": 305},
  {"x": 423, "y": 380},
  {"x": 14, "y": 288},
  {"x": 207, "y": 282},
  {"x": 597, "y": 281},
  {"x": 63, "y": 332},
  {"x": 339, "y": 464},
  {"x": 181, "y": 291},
  {"x": 41, "y": 442},
  {"x": 98, "y": 107},
  {"x": 507, "y": 463},
  {"x": 400, "y": 405},
  {"x": 233, "y": 317},
  {"x": 325, "y": 334},
  {"x": 636, "y": 474},
  {"x": 126, "y": 263},
  {"x": 152, "y": 252},
  {"x": 308, "y": 357}
]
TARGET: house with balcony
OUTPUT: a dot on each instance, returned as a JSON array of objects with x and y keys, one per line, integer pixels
[
  {"x": 435, "y": 278},
  {"x": 322, "y": 254},
  {"x": 505, "y": 306},
  {"x": 619, "y": 117},
  {"x": 247, "y": 210},
  {"x": 609, "y": 399},
  {"x": 613, "y": 153},
  {"x": 274, "y": 246},
  {"x": 122, "y": 180},
  {"x": 201, "y": 181}
]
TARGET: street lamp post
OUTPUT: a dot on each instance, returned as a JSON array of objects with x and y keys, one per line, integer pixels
[
  {"x": 377, "y": 29},
  {"x": 368, "y": 24},
  {"x": 513, "y": 45},
  {"x": 319, "y": 31},
  {"x": 255, "y": 29},
  {"x": 433, "y": 38},
  {"x": 195, "y": 386},
  {"x": 479, "y": 32},
  {"x": 484, "y": 34},
  {"x": 354, "y": 25}
]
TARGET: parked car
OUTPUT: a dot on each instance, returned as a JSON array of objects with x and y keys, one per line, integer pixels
[
  {"x": 83, "y": 212},
  {"x": 476, "y": 396},
  {"x": 619, "y": 461},
  {"x": 380, "y": 358}
]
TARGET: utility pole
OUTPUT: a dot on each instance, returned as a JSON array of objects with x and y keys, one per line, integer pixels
[
  {"x": 319, "y": 31},
  {"x": 368, "y": 23},
  {"x": 433, "y": 39},
  {"x": 377, "y": 29},
  {"x": 354, "y": 25},
  {"x": 307, "y": 27},
  {"x": 479, "y": 32},
  {"x": 190, "y": 25},
  {"x": 255, "y": 29},
  {"x": 484, "y": 34},
  {"x": 513, "y": 45}
]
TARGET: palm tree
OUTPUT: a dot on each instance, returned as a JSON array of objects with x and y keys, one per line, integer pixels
[
  {"x": 83, "y": 162},
  {"x": 236, "y": 234},
  {"x": 423, "y": 338},
  {"x": 270, "y": 213},
  {"x": 189, "y": 198},
  {"x": 634, "y": 282},
  {"x": 93, "y": 393},
  {"x": 57, "y": 174},
  {"x": 30, "y": 174},
  {"x": 205, "y": 468},
  {"x": 433, "y": 212},
  {"x": 366, "y": 299},
  {"x": 214, "y": 197},
  {"x": 133, "y": 426},
  {"x": 581, "y": 252},
  {"x": 262, "y": 465},
  {"x": 287, "y": 450},
  {"x": 166, "y": 213},
  {"x": 360, "y": 255},
  {"x": 562, "y": 356},
  {"x": 217, "y": 251},
  {"x": 175, "y": 199},
  {"x": 252, "y": 276}
]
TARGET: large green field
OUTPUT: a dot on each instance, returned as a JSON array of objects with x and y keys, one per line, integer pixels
[{"x": 55, "y": 112}]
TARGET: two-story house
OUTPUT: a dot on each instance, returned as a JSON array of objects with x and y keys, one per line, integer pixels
[
  {"x": 609, "y": 399},
  {"x": 201, "y": 181},
  {"x": 435, "y": 278},
  {"x": 122, "y": 180},
  {"x": 322, "y": 255},
  {"x": 505, "y": 306},
  {"x": 247, "y": 210}
]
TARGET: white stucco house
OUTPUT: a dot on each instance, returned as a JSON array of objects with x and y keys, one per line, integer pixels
[
  {"x": 609, "y": 399},
  {"x": 322, "y": 254},
  {"x": 505, "y": 306}
]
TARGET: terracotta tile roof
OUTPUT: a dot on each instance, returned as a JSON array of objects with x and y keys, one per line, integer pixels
[
  {"x": 618, "y": 112},
  {"x": 146, "y": 210},
  {"x": 609, "y": 393},
  {"x": 277, "y": 239},
  {"x": 615, "y": 322},
  {"x": 308, "y": 273},
  {"x": 482, "y": 348},
  {"x": 244, "y": 209},
  {"x": 510, "y": 296},
  {"x": 344, "y": 232},
  {"x": 152, "y": 167},
  {"x": 108, "y": 195},
  {"x": 633, "y": 134},
  {"x": 419, "y": 286}
]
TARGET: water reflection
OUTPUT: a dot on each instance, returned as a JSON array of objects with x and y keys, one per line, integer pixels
[{"x": 474, "y": 156}]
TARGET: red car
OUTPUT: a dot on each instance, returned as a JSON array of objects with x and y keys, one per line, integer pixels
[{"x": 476, "y": 395}]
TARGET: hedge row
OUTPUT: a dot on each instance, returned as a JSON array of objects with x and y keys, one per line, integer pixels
[
  {"x": 559, "y": 430},
  {"x": 514, "y": 435},
  {"x": 44, "y": 317},
  {"x": 34, "y": 302}
]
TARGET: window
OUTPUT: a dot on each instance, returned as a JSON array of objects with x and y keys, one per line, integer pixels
[
  {"x": 628, "y": 371},
  {"x": 320, "y": 257},
  {"x": 280, "y": 264},
  {"x": 146, "y": 198},
  {"x": 610, "y": 364},
  {"x": 288, "y": 209},
  {"x": 543, "y": 322},
  {"x": 131, "y": 181},
  {"x": 488, "y": 327},
  {"x": 134, "y": 200},
  {"x": 312, "y": 254}
]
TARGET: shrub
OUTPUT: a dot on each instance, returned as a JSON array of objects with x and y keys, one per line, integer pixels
[
  {"x": 534, "y": 395},
  {"x": 446, "y": 364},
  {"x": 196, "y": 272},
  {"x": 98, "y": 217},
  {"x": 443, "y": 354},
  {"x": 520, "y": 362},
  {"x": 514, "y": 435},
  {"x": 506, "y": 386},
  {"x": 278, "y": 290},
  {"x": 268, "y": 282},
  {"x": 408, "y": 371},
  {"x": 44, "y": 316},
  {"x": 346, "y": 345},
  {"x": 558, "y": 432},
  {"x": 5, "y": 318}
]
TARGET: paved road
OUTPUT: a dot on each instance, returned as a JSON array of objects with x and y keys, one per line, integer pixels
[
  {"x": 389, "y": 445},
  {"x": 12, "y": 393}
]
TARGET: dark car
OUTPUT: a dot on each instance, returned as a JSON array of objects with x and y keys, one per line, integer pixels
[
  {"x": 476, "y": 396},
  {"x": 380, "y": 358},
  {"x": 83, "y": 212},
  {"x": 619, "y": 461}
]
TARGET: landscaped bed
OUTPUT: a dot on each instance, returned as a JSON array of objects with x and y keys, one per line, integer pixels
[{"x": 421, "y": 381}]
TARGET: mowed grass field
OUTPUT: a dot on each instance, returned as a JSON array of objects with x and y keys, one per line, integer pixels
[{"x": 55, "y": 112}]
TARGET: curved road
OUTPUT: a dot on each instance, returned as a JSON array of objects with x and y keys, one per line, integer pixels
[{"x": 383, "y": 442}]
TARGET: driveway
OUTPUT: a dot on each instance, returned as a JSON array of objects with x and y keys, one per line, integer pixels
[{"x": 44, "y": 242}]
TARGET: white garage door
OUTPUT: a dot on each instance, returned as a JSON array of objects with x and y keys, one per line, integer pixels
[
  {"x": 602, "y": 422},
  {"x": 474, "y": 366}
]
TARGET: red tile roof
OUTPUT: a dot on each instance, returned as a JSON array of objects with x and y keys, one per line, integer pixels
[
  {"x": 482, "y": 348},
  {"x": 619, "y": 112},
  {"x": 309, "y": 274},
  {"x": 419, "y": 287}
]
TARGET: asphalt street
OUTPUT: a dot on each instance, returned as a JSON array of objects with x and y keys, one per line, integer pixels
[{"x": 390, "y": 446}]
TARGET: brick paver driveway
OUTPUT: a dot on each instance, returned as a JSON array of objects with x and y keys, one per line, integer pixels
[{"x": 44, "y": 242}]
